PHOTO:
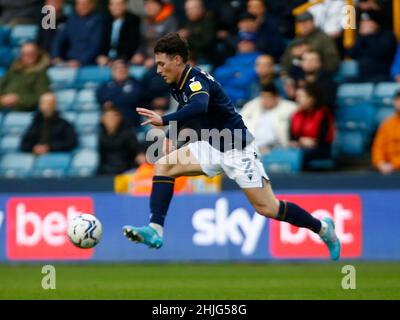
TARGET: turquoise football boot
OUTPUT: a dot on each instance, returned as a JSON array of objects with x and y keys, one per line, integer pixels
[
  {"x": 146, "y": 235},
  {"x": 331, "y": 239}
]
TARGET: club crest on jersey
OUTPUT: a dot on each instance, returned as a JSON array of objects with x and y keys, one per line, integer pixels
[{"x": 195, "y": 86}]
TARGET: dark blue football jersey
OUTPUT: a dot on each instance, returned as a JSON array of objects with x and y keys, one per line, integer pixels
[{"x": 196, "y": 86}]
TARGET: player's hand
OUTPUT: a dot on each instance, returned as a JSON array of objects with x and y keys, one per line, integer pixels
[{"x": 152, "y": 117}]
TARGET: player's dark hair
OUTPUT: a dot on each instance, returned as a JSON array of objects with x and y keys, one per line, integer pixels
[
  {"x": 173, "y": 45},
  {"x": 271, "y": 88}
]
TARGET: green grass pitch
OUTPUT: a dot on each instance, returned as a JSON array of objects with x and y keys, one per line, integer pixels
[{"x": 202, "y": 281}]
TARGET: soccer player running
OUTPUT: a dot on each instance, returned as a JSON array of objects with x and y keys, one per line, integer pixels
[{"x": 202, "y": 99}]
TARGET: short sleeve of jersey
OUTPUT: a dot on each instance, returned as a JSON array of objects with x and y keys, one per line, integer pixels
[{"x": 196, "y": 85}]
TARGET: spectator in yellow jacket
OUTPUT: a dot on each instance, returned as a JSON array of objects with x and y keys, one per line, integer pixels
[{"x": 386, "y": 146}]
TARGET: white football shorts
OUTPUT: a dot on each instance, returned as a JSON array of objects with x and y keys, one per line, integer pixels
[{"x": 242, "y": 166}]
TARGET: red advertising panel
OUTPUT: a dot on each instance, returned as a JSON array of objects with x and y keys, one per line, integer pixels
[
  {"x": 37, "y": 227},
  {"x": 287, "y": 241}
]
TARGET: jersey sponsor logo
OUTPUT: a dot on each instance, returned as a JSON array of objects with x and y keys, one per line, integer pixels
[
  {"x": 36, "y": 228},
  {"x": 287, "y": 241},
  {"x": 195, "y": 86}
]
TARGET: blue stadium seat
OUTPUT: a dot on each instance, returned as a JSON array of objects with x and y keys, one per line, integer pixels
[
  {"x": 65, "y": 99},
  {"x": 283, "y": 160},
  {"x": 6, "y": 57},
  {"x": 70, "y": 116},
  {"x": 384, "y": 93},
  {"x": 15, "y": 165},
  {"x": 137, "y": 72},
  {"x": 23, "y": 33},
  {"x": 351, "y": 141},
  {"x": 62, "y": 77},
  {"x": 50, "y": 165},
  {"x": 10, "y": 143},
  {"x": 352, "y": 93},
  {"x": 348, "y": 70},
  {"x": 87, "y": 122},
  {"x": 92, "y": 76},
  {"x": 361, "y": 114},
  {"x": 16, "y": 122},
  {"x": 88, "y": 141},
  {"x": 84, "y": 163},
  {"x": 86, "y": 100},
  {"x": 5, "y": 32}
]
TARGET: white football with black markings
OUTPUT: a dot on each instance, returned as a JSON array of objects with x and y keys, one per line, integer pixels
[{"x": 85, "y": 231}]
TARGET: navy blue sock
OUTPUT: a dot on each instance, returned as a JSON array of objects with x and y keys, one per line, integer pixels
[
  {"x": 297, "y": 216},
  {"x": 160, "y": 198}
]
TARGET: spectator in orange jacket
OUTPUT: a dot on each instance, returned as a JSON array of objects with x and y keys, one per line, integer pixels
[{"x": 386, "y": 146}]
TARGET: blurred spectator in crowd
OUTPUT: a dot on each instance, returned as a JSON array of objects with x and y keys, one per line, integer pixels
[
  {"x": 311, "y": 72},
  {"x": 312, "y": 125},
  {"x": 383, "y": 8},
  {"x": 200, "y": 31},
  {"x": 264, "y": 68},
  {"x": 283, "y": 10},
  {"x": 386, "y": 145},
  {"x": 118, "y": 145},
  {"x": 268, "y": 117},
  {"x": 46, "y": 36},
  {"x": 297, "y": 49},
  {"x": 79, "y": 42},
  {"x": 238, "y": 71},
  {"x": 317, "y": 40},
  {"x": 270, "y": 40},
  {"x": 158, "y": 21},
  {"x": 26, "y": 80},
  {"x": 374, "y": 49},
  {"x": 48, "y": 131},
  {"x": 122, "y": 92},
  {"x": 395, "y": 71},
  {"x": 248, "y": 23},
  {"x": 122, "y": 33},
  {"x": 13, "y": 12},
  {"x": 226, "y": 15},
  {"x": 157, "y": 93}
]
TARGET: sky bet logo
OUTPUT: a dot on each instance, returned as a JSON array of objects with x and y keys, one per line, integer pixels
[
  {"x": 220, "y": 227},
  {"x": 37, "y": 227},
  {"x": 217, "y": 226}
]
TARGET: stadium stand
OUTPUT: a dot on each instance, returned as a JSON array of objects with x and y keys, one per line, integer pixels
[{"x": 360, "y": 109}]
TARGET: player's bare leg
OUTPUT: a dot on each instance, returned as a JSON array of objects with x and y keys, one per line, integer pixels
[
  {"x": 177, "y": 163},
  {"x": 265, "y": 203}
]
